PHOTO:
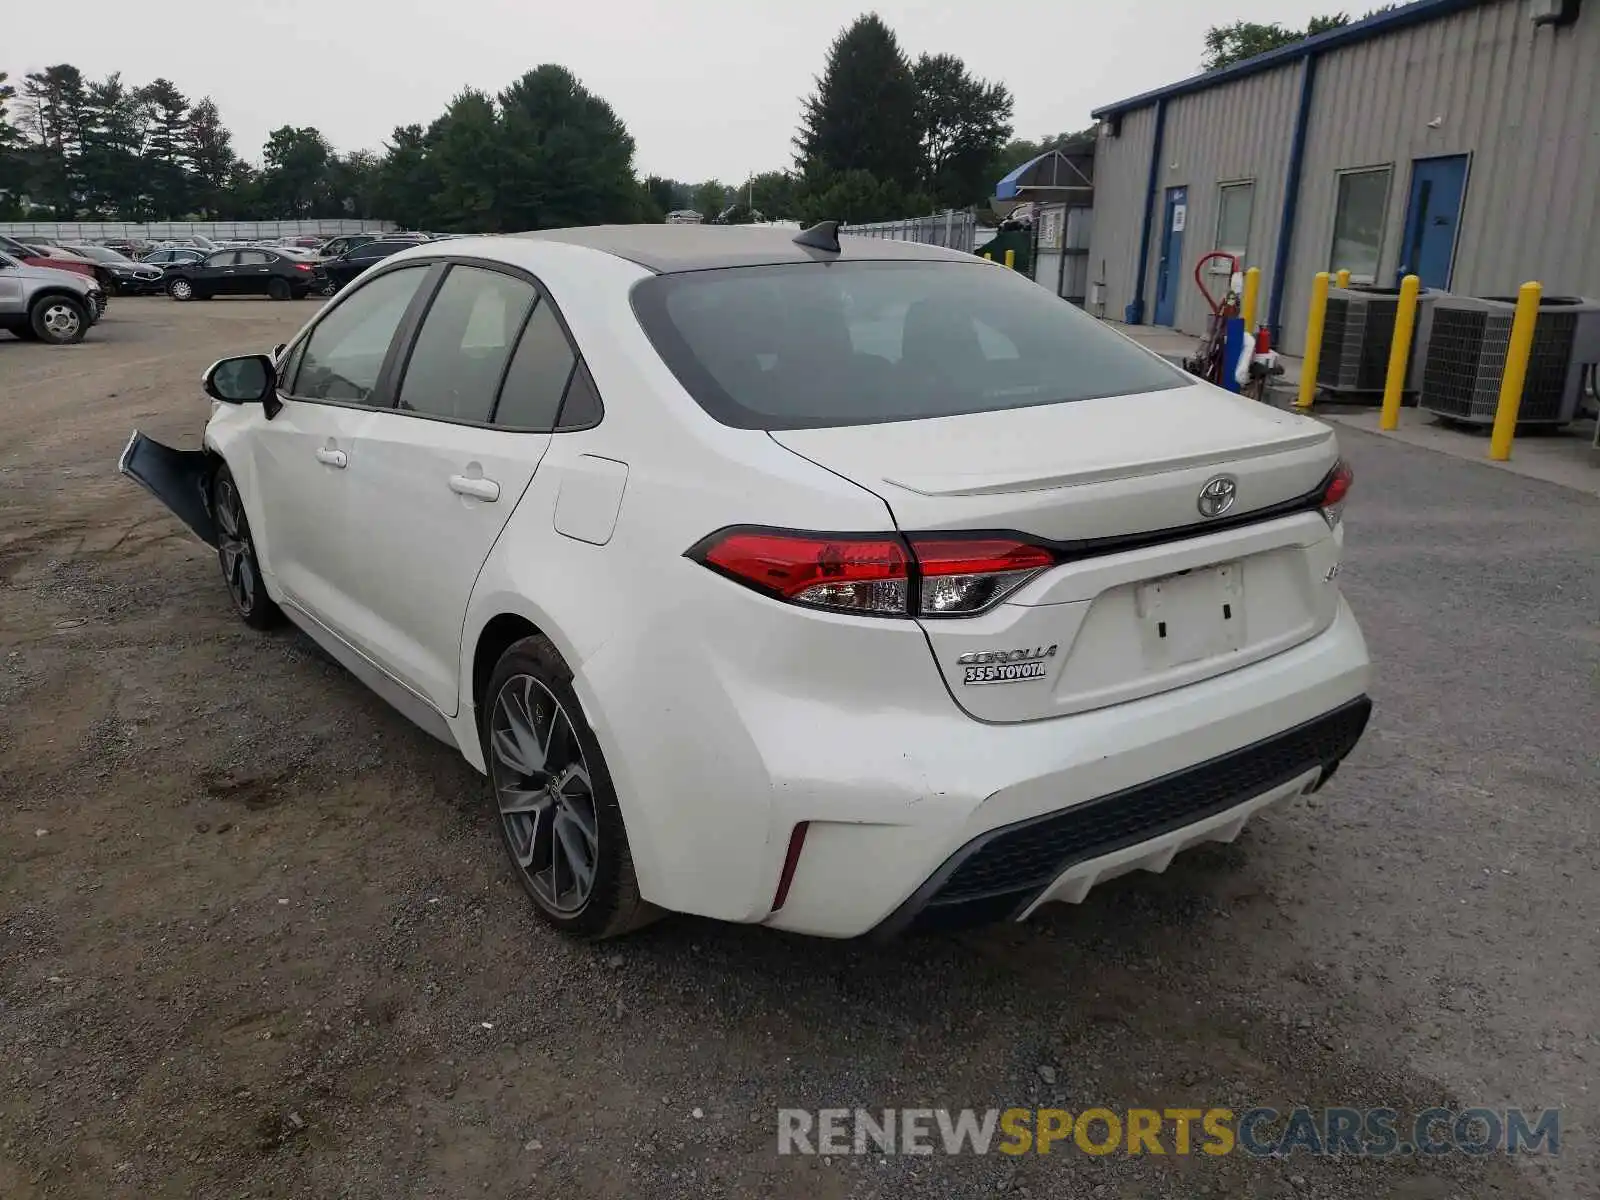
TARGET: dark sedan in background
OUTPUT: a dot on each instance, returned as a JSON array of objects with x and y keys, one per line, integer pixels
[
  {"x": 119, "y": 273},
  {"x": 248, "y": 272},
  {"x": 334, "y": 273}
]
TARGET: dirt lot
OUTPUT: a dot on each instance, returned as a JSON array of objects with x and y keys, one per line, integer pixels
[{"x": 256, "y": 938}]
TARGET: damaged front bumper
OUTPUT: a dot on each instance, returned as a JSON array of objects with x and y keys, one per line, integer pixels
[{"x": 180, "y": 479}]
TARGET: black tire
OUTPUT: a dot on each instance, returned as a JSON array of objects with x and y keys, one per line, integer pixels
[
  {"x": 236, "y": 553},
  {"x": 59, "y": 320},
  {"x": 328, "y": 287},
  {"x": 180, "y": 289},
  {"x": 612, "y": 905},
  {"x": 279, "y": 289}
]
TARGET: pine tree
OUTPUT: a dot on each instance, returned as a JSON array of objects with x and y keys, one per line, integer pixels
[{"x": 863, "y": 114}]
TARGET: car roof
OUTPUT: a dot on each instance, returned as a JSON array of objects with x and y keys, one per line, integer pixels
[{"x": 668, "y": 249}]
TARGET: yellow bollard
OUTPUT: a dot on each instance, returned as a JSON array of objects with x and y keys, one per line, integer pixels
[
  {"x": 1252, "y": 296},
  {"x": 1344, "y": 278},
  {"x": 1011, "y": 260},
  {"x": 1516, "y": 376},
  {"x": 1314, "y": 322},
  {"x": 1405, "y": 323}
]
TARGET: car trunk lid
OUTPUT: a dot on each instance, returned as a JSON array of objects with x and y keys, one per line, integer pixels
[{"x": 1149, "y": 592}]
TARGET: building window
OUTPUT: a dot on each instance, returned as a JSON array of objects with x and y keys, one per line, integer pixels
[
  {"x": 1235, "y": 204},
  {"x": 1358, "y": 220}
]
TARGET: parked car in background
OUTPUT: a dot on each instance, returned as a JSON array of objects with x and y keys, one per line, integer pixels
[
  {"x": 836, "y": 585},
  {"x": 57, "y": 260},
  {"x": 252, "y": 272},
  {"x": 120, "y": 274},
  {"x": 334, "y": 273},
  {"x": 169, "y": 255},
  {"x": 334, "y": 247},
  {"x": 45, "y": 304}
]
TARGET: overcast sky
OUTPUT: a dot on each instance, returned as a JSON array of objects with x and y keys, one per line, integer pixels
[{"x": 708, "y": 88}]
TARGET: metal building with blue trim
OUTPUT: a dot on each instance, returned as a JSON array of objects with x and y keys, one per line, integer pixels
[{"x": 1459, "y": 139}]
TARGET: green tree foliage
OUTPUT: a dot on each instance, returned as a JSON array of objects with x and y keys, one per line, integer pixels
[
  {"x": 294, "y": 170},
  {"x": 710, "y": 198},
  {"x": 544, "y": 152},
  {"x": 882, "y": 137},
  {"x": 54, "y": 113},
  {"x": 568, "y": 157},
  {"x": 963, "y": 121},
  {"x": 863, "y": 114},
  {"x": 167, "y": 115},
  {"x": 1228, "y": 44},
  {"x": 10, "y": 158},
  {"x": 774, "y": 194}
]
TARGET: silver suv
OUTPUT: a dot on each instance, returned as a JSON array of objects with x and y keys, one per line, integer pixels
[{"x": 46, "y": 305}]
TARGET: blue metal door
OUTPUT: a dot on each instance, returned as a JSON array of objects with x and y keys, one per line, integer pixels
[
  {"x": 1169, "y": 276},
  {"x": 1438, "y": 185}
]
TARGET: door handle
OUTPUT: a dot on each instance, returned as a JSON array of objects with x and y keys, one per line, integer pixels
[
  {"x": 332, "y": 458},
  {"x": 479, "y": 489}
]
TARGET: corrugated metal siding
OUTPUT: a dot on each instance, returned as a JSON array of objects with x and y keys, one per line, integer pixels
[
  {"x": 1121, "y": 171},
  {"x": 1227, "y": 135},
  {"x": 1523, "y": 100}
]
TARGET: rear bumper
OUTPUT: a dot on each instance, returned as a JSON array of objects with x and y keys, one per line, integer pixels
[
  {"x": 1007, "y": 873},
  {"x": 996, "y": 820}
]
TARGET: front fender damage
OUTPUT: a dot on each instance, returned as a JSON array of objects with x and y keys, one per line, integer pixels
[{"x": 180, "y": 479}]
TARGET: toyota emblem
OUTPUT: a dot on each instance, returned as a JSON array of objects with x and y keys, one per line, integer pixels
[{"x": 1218, "y": 495}]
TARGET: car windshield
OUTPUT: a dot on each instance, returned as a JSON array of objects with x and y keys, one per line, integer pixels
[{"x": 856, "y": 343}]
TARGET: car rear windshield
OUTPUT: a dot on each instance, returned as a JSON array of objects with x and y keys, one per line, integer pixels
[{"x": 856, "y": 343}]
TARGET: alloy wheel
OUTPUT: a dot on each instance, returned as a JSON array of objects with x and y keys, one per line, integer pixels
[
  {"x": 61, "y": 322},
  {"x": 542, "y": 783},
  {"x": 233, "y": 543}
]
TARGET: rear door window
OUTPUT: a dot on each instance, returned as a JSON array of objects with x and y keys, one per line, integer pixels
[
  {"x": 851, "y": 343},
  {"x": 531, "y": 397},
  {"x": 460, "y": 353}
]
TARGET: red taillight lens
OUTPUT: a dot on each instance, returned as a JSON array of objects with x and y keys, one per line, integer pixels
[
  {"x": 302, "y": 266},
  {"x": 880, "y": 575},
  {"x": 963, "y": 576},
  {"x": 851, "y": 574},
  {"x": 1335, "y": 491}
]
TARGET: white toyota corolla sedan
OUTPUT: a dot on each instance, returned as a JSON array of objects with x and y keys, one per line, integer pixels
[{"x": 833, "y": 584}]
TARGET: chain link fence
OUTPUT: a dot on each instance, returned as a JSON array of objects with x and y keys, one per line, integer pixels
[{"x": 955, "y": 230}]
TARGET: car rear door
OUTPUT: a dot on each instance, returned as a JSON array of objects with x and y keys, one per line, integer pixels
[
  {"x": 306, "y": 458},
  {"x": 252, "y": 269},
  {"x": 441, "y": 473}
]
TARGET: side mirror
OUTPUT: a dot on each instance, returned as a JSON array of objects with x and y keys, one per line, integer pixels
[{"x": 249, "y": 379}]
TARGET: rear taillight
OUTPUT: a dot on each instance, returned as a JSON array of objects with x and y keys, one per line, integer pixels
[
  {"x": 845, "y": 573},
  {"x": 927, "y": 575},
  {"x": 302, "y": 267},
  {"x": 1334, "y": 493},
  {"x": 962, "y": 576}
]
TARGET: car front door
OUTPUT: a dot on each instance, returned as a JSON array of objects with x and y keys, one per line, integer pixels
[
  {"x": 357, "y": 261},
  {"x": 442, "y": 472},
  {"x": 307, "y": 458},
  {"x": 213, "y": 276}
]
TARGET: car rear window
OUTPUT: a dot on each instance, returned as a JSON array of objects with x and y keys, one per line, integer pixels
[{"x": 855, "y": 343}]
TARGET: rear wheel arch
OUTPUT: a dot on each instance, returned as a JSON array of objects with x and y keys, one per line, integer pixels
[{"x": 494, "y": 639}]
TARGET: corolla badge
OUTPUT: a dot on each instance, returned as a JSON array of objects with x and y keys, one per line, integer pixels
[{"x": 1218, "y": 495}]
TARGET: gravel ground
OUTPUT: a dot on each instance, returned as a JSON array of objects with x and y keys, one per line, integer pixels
[{"x": 256, "y": 938}]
